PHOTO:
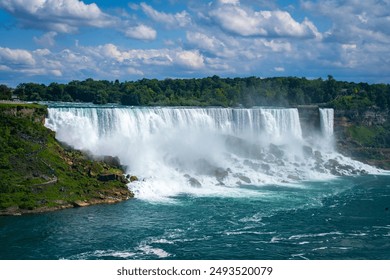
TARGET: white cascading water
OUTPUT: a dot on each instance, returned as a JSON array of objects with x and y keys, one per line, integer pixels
[
  {"x": 326, "y": 121},
  {"x": 202, "y": 151}
]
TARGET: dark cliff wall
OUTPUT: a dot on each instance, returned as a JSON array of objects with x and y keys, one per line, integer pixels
[
  {"x": 364, "y": 135},
  {"x": 369, "y": 117}
]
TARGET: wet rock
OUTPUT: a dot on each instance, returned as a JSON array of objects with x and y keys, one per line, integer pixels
[
  {"x": 107, "y": 177},
  {"x": 265, "y": 167},
  {"x": 318, "y": 157},
  {"x": 123, "y": 179},
  {"x": 349, "y": 167},
  {"x": 194, "y": 182},
  {"x": 133, "y": 178},
  {"x": 307, "y": 151},
  {"x": 276, "y": 151},
  {"x": 253, "y": 165},
  {"x": 112, "y": 177},
  {"x": 220, "y": 174},
  {"x": 319, "y": 168},
  {"x": 293, "y": 177},
  {"x": 333, "y": 163},
  {"x": 79, "y": 203},
  {"x": 113, "y": 161},
  {"x": 244, "y": 179}
]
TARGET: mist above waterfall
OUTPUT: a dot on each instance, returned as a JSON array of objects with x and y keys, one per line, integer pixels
[{"x": 204, "y": 151}]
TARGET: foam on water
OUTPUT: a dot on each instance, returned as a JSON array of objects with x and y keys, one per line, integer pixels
[
  {"x": 204, "y": 151},
  {"x": 104, "y": 254}
]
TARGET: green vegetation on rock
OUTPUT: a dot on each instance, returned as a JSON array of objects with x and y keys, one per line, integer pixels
[
  {"x": 369, "y": 144},
  {"x": 367, "y": 136},
  {"x": 38, "y": 174}
]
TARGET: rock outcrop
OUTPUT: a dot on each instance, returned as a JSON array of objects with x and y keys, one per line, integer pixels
[{"x": 39, "y": 174}]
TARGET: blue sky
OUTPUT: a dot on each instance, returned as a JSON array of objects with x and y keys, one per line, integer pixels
[{"x": 62, "y": 40}]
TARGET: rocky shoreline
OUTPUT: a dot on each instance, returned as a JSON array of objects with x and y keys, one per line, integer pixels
[{"x": 114, "y": 198}]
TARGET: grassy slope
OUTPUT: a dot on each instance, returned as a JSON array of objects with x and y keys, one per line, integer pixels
[{"x": 37, "y": 173}]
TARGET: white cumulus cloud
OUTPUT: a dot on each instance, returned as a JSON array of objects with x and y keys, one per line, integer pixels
[
  {"x": 181, "y": 19},
  {"x": 57, "y": 15},
  {"x": 279, "y": 69},
  {"x": 133, "y": 71},
  {"x": 16, "y": 57},
  {"x": 141, "y": 32},
  {"x": 47, "y": 39},
  {"x": 203, "y": 41},
  {"x": 190, "y": 59},
  {"x": 247, "y": 22},
  {"x": 232, "y": 2}
]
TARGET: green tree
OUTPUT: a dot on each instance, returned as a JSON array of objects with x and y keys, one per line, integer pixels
[
  {"x": 55, "y": 91},
  {"x": 5, "y": 92}
]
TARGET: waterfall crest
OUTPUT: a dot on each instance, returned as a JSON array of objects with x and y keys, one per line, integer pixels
[{"x": 101, "y": 122}]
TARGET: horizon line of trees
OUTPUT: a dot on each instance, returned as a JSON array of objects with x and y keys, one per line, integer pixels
[{"x": 210, "y": 91}]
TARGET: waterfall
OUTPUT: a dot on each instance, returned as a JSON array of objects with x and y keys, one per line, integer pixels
[
  {"x": 326, "y": 121},
  {"x": 201, "y": 151},
  {"x": 274, "y": 123}
]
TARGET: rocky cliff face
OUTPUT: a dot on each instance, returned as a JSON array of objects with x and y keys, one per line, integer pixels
[
  {"x": 364, "y": 135},
  {"x": 369, "y": 117},
  {"x": 361, "y": 134}
]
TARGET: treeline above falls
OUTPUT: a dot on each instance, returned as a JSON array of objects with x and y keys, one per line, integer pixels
[{"x": 211, "y": 91}]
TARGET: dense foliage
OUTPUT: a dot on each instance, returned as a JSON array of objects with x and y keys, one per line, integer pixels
[
  {"x": 5, "y": 92},
  {"x": 214, "y": 91}
]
